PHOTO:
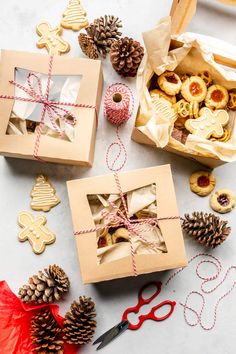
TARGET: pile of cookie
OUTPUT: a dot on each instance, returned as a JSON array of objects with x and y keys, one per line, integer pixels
[
  {"x": 201, "y": 105},
  {"x": 203, "y": 183}
]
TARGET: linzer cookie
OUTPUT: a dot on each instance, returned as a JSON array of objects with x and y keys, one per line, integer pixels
[
  {"x": 51, "y": 39},
  {"x": 43, "y": 195},
  {"x": 170, "y": 83},
  {"x": 194, "y": 89},
  {"x": 217, "y": 97},
  {"x": 35, "y": 231},
  {"x": 223, "y": 201},
  {"x": 202, "y": 183},
  {"x": 208, "y": 124},
  {"x": 74, "y": 17}
]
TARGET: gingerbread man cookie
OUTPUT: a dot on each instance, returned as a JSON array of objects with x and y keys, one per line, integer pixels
[
  {"x": 34, "y": 230},
  {"x": 51, "y": 39},
  {"x": 208, "y": 124}
]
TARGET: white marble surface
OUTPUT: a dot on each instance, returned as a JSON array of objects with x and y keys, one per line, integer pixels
[{"x": 17, "y": 261}]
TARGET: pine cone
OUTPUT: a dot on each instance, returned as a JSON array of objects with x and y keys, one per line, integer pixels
[
  {"x": 45, "y": 333},
  {"x": 79, "y": 324},
  {"x": 100, "y": 36},
  {"x": 126, "y": 55},
  {"x": 47, "y": 286},
  {"x": 88, "y": 46},
  {"x": 207, "y": 229}
]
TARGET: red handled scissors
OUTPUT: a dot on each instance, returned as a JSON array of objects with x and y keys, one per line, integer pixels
[{"x": 121, "y": 327}]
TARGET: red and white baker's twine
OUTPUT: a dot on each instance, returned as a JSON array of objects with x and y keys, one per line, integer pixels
[
  {"x": 53, "y": 108},
  {"x": 118, "y": 113},
  {"x": 205, "y": 279}
]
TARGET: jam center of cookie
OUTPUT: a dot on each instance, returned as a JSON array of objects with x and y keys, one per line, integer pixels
[
  {"x": 172, "y": 79},
  {"x": 195, "y": 88},
  {"x": 102, "y": 242},
  {"x": 203, "y": 181},
  {"x": 223, "y": 199},
  {"x": 217, "y": 95}
]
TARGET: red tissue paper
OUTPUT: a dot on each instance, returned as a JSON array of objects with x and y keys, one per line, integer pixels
[{"x": 15, "y": 318}]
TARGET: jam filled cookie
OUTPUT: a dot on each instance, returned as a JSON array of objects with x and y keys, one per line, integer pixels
[
  {"x": 223, "y": 201},
  {"x": 208, "y": 124},
  {"x": 232, "y": 100},
  {"x": 202, "y": 183},
  {"x": 170, "y": 83},
  {"x": 206, "y": 77},
  {"x": 120, "y": 235},
  {"x": 104, "y": 240},
  {"x": 155, "y": 94},
  {"x": 194, "y": 89},
  {"x": 217, "y": 97}
]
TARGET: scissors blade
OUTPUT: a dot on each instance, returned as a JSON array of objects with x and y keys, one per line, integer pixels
[{"x": 111, "y": 334}]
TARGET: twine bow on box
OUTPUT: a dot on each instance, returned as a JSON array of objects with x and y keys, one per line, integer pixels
[
  {"x": 135, "y": 228},
  {"x": 55, "y": 109}
]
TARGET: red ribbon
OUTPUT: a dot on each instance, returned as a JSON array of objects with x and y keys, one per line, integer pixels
[
  {"x": 132, "y": 225},
  {"x": 53, "y": 108}
]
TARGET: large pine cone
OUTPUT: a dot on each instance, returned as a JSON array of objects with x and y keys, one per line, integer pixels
[
  {"x": 207, "y": 229},
  {"x": 79, "y": 324},
  {"x": 47, "y": 286},
  {"x": 100, "y": 36},
  {"x": 45, "y": 333},
  {"x": 126, "y": 55}
]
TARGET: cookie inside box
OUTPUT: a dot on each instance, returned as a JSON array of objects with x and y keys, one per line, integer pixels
[
  {"x": 26, "y": 116},
  {"x": 113, "y": 240},
  {"x": 194, "y": 91}
]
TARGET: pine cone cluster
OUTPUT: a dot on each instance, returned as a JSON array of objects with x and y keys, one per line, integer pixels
[
  {"x": 47, "y": 286},
  {"x": 46, "y": 333},
  {"x": 207, "y": 229},
  {"x": 100, "y": 36},
  {"x": 79, "y": 324},
  {"x": 126, "y": 55}
]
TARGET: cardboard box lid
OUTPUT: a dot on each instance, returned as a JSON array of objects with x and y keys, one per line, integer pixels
[{"x": 167, "y": 207}]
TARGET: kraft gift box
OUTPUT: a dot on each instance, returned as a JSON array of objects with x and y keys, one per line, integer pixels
[
  {"x": 118, "y": 261},
  {"x": 76, "y": 146}
]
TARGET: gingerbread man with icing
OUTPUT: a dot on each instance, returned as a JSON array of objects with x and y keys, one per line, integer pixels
[
  {"x": 34, "y": 230},
  {"x": 51, "y": 39},
  {"x": 208, "y": 124}
]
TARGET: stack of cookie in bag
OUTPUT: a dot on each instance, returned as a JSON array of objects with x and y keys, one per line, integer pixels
[{"x": 200, "y": 104}]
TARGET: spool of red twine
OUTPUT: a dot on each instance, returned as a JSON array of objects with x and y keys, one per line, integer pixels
[
  {"x": 118, "y": 104},
  {"x": 118, "y": 108}
]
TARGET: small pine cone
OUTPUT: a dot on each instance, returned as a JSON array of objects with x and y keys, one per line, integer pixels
[
  {"x": 46, "y": 333},
  {"x": 88, "y": 46},
  {"x": 126, "y": 55},
  {"x": 207, "y": 229},
  {"x": 79, "y": 324},
  {"x": 47, "y": 286},
  {"x": 100, "y": 36}
]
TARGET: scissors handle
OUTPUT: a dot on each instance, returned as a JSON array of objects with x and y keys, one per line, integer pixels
[{"x": 143, "y": 301}]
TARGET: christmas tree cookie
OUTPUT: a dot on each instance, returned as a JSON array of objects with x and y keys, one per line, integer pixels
[
  {"x": 43, "y": 195},
  {"x": 74, "y": 17}
]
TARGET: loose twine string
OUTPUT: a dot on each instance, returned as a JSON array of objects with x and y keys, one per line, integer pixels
[
  {"x": 205, "y": 280},
  {"x": 118, "y": 108},
  {"x": 34, "y": 90}
]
